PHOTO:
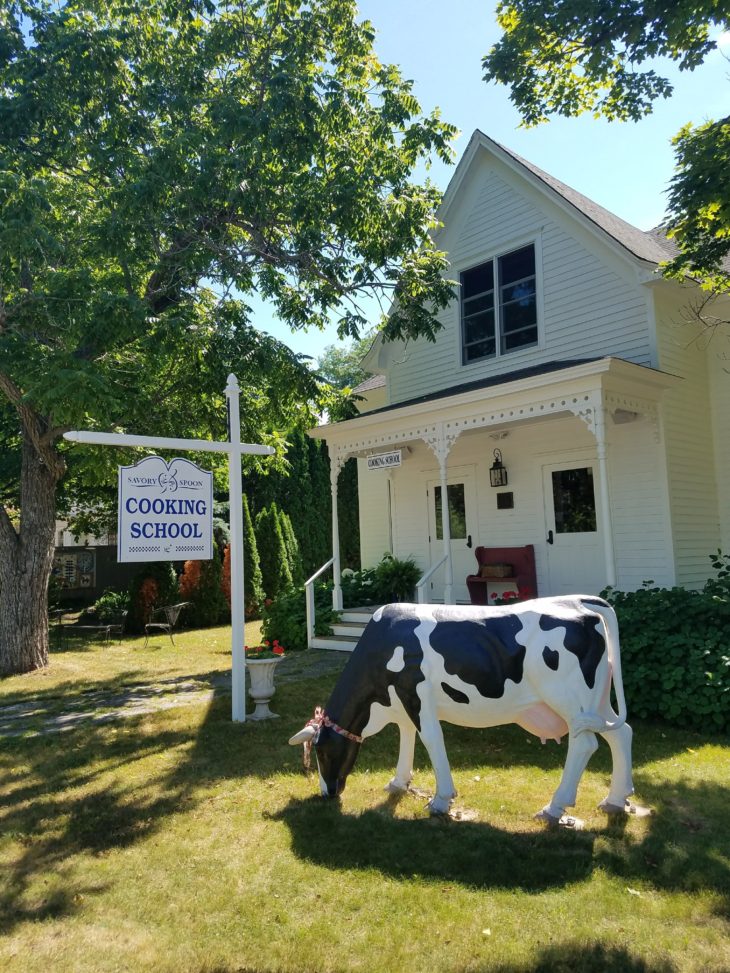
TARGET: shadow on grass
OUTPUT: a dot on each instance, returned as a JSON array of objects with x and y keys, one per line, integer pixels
[
  {"x": 567, "y": 958},
  {"x": 584, "y": 958},
  {"x": 672, "y": 855},
  {"x": 78, "y": 793},
  {"x": 472, "y": 853}
]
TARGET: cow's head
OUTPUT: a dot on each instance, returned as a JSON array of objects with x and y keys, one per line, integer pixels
[{"x": 336, "y": 754}]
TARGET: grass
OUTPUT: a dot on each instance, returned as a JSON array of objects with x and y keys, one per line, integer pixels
[{"x": 178, "y": 841}]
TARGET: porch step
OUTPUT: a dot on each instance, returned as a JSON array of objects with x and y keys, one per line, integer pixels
[
  {"x": 339, "y": 643},
  {"x": 346, "y": 631}
]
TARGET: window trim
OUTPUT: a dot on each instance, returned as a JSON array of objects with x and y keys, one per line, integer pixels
[{"x": 536, "y": 241}]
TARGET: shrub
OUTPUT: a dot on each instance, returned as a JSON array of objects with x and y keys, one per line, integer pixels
[
  {"x": 110, "y": 604},
  {"x": 200, "y": 584},
  {"x": 395, "y": 579},
  {"x": 674, "y": 652},
  {"x": 272, "y": 552},
  {"x": 153, "y": 586},
  {"x": 293, "y": 553},
  {"x": 285, "y": 618},
  {"x": 359, "y": 588},
  {"x": 252, "y": 581},
  {"x": 391, "y": 580}
]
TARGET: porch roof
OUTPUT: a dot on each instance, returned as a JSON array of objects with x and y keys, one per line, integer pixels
[
  {"x": 492, "y": 381},
  {"x": 577, "y": 386}
]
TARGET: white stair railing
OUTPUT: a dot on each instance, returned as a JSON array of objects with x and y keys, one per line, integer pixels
[
  {"x": 309, "y": 594},
  {"x": 421, "y": 586}
]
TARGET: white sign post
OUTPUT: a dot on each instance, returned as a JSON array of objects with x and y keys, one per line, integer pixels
[{"x": 235, "y": 450}]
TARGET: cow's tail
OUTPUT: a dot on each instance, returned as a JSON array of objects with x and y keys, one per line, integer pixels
[{"x": 610, "y": 623}]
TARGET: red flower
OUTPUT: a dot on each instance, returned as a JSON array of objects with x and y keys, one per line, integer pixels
[{"x": 278, "y": 650}]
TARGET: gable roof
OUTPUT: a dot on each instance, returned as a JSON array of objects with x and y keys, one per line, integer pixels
[{"x": 651, "y": 247}]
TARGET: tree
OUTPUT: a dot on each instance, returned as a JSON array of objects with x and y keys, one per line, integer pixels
[
  {"x": 158, "y": 159},
  {"x": 293, "y": 552},
  {"x": 201, "y": 583},
  {"x": 273, "y": 556},
  {"x": 340, "y": 365},
  {"x": 566, "y": 57}
]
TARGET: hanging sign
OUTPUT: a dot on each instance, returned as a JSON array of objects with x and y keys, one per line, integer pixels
[
  {"x": 165, "y": 511},
  {"x": 385, "y": 461}
]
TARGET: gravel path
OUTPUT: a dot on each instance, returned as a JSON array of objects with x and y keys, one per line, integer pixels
[{"x": 40, "y": 716}]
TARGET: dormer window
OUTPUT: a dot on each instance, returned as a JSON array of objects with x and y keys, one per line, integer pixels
[{"x": 499, "y": 306}]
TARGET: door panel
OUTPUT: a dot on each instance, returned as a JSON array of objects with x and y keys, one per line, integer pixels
[
  {"x": 461, "y": 493},
  {"x": 575, "y": 554}
]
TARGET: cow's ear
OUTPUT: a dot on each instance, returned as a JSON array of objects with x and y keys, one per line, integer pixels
[{"x": 304, "y": 736}]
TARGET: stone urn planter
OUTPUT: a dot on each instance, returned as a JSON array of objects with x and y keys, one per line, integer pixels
[{"x": 261, "y": 686}]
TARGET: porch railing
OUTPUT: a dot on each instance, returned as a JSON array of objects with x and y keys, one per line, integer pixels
[
  {"x": 309, "y": 595},
  {"x": 421, "y": 586}
]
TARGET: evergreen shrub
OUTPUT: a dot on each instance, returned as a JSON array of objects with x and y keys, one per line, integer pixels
[
  {"x": 201, "y": 585},
  {"x": 252, "y": 579},
  {"x": 154, "y": 585},
  {"x": 675, "y": 651},
  {"x": 273, "y": 556},
  {"x": 285, "y": 618}
]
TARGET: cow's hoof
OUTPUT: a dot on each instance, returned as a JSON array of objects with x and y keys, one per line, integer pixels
[
  {"x": 545, "y": 817},
  {"x": 439, "y": 806},
  {"x": 566, "y": 821},
  {"x": 628, "y": 808},
  {"x": 613, "y": 809}
]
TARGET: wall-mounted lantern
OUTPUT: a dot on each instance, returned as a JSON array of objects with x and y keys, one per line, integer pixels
[{"x": 497, "y": 472}]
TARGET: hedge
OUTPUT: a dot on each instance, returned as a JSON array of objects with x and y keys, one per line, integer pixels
[{"x": 675, "y": 653}]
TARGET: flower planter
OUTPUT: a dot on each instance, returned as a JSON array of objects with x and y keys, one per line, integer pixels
[{"x": 261, "y": 686}]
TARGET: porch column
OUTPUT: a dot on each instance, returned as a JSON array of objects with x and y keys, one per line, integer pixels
[
  {"x": 335, "y": 467},
  {"x": 446, "y": 528},
  {"x": 599, "y": 431}
]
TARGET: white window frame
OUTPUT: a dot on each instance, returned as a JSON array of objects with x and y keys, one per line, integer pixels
[{"x": 536, "y": 242}]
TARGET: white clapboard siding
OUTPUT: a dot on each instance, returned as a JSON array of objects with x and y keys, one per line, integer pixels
[
  {"x": 374, "y": 514},
  {"x": 688, "y": 429},
  {"x": 639, "y": 505},
  {"x": 718, "y": 364},
  {"x": 592, "y": 304}
]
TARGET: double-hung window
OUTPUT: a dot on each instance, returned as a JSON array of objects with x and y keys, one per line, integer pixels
[{"x": 499, "y": 306}]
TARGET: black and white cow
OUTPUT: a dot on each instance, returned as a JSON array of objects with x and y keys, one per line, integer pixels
[{"x": 545, "y": 664}]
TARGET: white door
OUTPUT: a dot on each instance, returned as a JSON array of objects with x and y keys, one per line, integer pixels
[
  {"x": 462, "y": 522},
  {"x": 575, "y": 556}
]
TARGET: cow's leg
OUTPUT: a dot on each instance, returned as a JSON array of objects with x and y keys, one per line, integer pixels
[
  {"x": 433, "y": 741},
  {"x": 581, "y": 747},
  {"x": 622, "y": 786},
  {"x": 404, "y": 769}
]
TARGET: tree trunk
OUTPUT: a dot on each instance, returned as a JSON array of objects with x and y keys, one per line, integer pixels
[{"x": 26, "y": 558}]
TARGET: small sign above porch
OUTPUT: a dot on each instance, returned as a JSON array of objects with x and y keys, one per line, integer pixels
[{"x": 385, "y": 461}]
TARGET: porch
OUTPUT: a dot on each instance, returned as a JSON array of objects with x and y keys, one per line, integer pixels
[{"x": 581, "y": 446}]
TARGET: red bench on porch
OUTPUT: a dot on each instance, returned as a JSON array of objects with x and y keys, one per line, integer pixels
[{"x": 521, "y": 577}]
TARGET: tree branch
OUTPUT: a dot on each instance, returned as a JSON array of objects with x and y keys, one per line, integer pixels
[{"x": 37, "y": 427}]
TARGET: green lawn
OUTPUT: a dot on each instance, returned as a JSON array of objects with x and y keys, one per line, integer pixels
[{"x": 178, "y": 841}]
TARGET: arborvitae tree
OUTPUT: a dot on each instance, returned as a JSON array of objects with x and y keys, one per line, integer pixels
[
  {"x": 272, "y": 552},
  {"x": 304, "y": 493},
  {"x": 252, "y": 578},
  {"x": 294, "y": 555},
  {"x": 348, "y": 513}
]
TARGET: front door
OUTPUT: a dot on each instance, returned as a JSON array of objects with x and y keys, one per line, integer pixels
[
  {"x": 462, "y": 522},
  {"x": 576, "y": 563}
]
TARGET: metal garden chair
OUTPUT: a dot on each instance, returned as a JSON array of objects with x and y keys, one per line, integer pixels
[{"x": 164, "y": 619}]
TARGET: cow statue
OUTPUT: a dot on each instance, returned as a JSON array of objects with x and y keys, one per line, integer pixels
[{"x": 545, "y": 664}]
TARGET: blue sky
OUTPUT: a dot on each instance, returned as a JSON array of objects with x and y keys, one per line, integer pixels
[{"x": 623, "y": 166}]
